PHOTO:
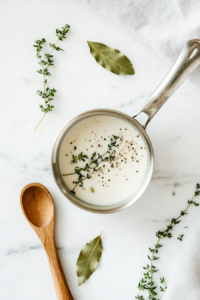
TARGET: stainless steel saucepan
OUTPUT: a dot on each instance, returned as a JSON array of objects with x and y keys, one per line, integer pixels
[{"x": 187, "y": 61}]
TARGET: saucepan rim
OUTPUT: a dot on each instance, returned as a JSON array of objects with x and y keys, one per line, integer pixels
[{"x": 59, "y": 178}]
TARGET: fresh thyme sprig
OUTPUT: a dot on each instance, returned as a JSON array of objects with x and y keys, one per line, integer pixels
[
  {"x": 48, "y": 94},
  {"x": 92, "y": 166},
  {"x": 147, "y": 282}
]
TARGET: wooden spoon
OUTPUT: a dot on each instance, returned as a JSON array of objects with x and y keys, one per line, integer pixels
[{"x": 38, "y": 208}]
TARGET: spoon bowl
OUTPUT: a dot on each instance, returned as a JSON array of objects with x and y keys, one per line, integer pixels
[{"x": 38, "y": 208}]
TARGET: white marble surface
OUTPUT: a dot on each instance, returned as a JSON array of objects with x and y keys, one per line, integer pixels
[{"x": 25, "y": 155}]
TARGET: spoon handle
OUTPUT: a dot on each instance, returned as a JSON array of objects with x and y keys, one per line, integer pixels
[{"x": 62, "y": 289}]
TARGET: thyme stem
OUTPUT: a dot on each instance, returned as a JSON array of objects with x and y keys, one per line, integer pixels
[
  {"x": 89, "y": 164},
  {"x": 153, "y": 252},
  {"x": 85, "y": 178},
  {"x": 69, "y": 174},
  {"x": 147, "y": 283},
  {"x": 48, "y": 93},
  {"x": 151, "y": 269},
  {"x": 40, "y": 121},
  {"x": 95, "y": 160}
]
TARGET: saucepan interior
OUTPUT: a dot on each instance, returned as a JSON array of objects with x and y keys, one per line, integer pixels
[{"x": 59, "y": 178}]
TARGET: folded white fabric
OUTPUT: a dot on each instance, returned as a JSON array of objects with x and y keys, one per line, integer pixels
[{"x": 165, "y": 26}]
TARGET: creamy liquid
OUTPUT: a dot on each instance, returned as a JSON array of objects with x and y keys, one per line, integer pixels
[{"x": 117, "y": 180}]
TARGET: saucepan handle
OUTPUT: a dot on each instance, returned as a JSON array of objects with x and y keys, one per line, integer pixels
[{"x": 187, "y": 61}]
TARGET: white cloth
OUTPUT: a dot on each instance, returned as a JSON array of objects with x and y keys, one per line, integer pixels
[{"x": 162, "y": 25}]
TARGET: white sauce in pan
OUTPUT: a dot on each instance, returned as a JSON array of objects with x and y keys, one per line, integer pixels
[{"x": 115, "y": 180}]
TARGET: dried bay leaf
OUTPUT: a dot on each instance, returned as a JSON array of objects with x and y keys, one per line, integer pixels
[
  {"x": 88, "y": 259},
  {"x": 111, "y": 59}
]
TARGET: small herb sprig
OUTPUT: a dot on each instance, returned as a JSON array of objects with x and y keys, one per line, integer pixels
[
  {"x": 92, "y": 166},
  {"x": 147, "y": 282},
  {"x": 180, "y": 237},
  {"x": 48, "y": 94}
]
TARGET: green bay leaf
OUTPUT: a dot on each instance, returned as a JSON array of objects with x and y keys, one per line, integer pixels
[
  {"x": 88, "y": 259},
  {"x": 111, "y": 59}
]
